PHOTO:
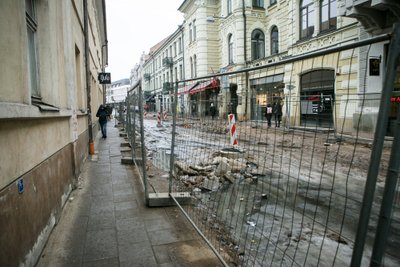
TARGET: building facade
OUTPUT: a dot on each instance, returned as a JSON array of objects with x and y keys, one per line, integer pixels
[
  {"x": 48, "y": 100},
  {"x": 231, "y": 35},
  {"x": 162, "y": 67},
  {"x": 117, "y": 91}
]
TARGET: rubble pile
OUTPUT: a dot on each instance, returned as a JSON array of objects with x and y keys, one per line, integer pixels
[{"x": 209, "y": 176}]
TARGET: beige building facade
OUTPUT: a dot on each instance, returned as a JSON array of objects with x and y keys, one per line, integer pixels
[
  {"x": 338, "y": 91},
  {"x": 231, "y": 35},
  {"x": 52, "y": 52},
  {"x": 162, "y": 67}
]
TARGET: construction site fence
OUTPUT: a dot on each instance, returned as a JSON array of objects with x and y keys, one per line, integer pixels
[{"x": 288, "y": 164}]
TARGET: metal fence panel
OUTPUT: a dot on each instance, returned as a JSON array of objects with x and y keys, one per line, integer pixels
[{"x": 282, "y": 188}]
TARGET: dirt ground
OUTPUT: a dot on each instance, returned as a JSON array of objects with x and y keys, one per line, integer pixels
[{"x": 310, "y": 178}]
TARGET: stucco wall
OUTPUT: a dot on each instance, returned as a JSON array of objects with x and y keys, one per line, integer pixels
[
  {"x": 27, "y": 218},
  {"x": 29, "y": 142}
]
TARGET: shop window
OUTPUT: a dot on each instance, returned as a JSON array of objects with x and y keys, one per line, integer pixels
[{"x": 317, "y": 98}]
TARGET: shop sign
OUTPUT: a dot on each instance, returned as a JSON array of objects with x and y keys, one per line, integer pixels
[
  {"x": 374, "y": 66},
  {"x": 395, "y": 99}
]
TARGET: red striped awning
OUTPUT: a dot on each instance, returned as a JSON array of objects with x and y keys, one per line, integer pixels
[{"x": 212, "y": 84}]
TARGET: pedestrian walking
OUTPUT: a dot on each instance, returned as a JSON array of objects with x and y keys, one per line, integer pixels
[
  {"x": 212, "y": 110},
  {"x": 268, "y": 114},
  {"x": 277, "y": 110},
  {"x": 102, "y": 114}
]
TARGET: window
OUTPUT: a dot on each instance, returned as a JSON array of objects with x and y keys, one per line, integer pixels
[
  {"x": 328, "y": 15},
  {"x": 272, "y": 2},
  {"x": 190, "y": 32},
  {"x": 257, "y": 44},
  {"x": 195, "y": 66},
  {"x": 306, "y": 19},
  {"x": 32, "y": 59},
  {"x": 258, "y": 3},
  {"x": 274, "y": 40},
  {"x": 180, "y": 45},
  {"x": 230, "y": 49},
  {"x": 229, "y": 6},
  {"x": 194, "y": 30},
  {"x": 191, "y": 67},
  {"x": 175, "y": 49}
]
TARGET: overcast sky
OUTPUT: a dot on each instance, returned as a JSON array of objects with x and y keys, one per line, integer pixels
[{"x": 133, "y": 27}]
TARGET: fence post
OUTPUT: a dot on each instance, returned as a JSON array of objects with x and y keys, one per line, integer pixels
[
  {"x": 171, "y": 158},
  {"x": 377, "y": 148},
  {"x": 394, "y": 163},
  {"x": 143, "y": 147}
]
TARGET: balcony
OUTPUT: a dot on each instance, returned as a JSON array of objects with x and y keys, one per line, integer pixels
[
  {"x": 147, "y": 76},
  {"x": 373, "y": 14},
  {"x": 167, "y": 88},
  {"x": 168, "y": 62}
]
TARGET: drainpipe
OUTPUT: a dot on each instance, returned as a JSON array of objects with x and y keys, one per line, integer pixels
[
  {"x": 245, "y": 58},
  {"x": 104, "y": 45},
  {"x": 103, "y": 69},
  {"x": 87, "y": 69}
]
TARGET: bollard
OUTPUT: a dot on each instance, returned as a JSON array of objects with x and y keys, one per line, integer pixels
[
  {"x": 232, "y": 129},
  {"x": 158, "y": 119}
]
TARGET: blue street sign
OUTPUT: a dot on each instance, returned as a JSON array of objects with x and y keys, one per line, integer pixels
[{"x": 21, "y": 185}]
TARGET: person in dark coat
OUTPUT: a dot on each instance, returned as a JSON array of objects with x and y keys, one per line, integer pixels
[
  {"x": 212, "y": 110},
  {"x": 268, "y": 114},
  {"x": 277, "y": 110},
  {"x": 102, "y": 114}
]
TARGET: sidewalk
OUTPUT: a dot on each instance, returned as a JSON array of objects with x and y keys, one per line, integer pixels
[{"x": 106, "y": 223}]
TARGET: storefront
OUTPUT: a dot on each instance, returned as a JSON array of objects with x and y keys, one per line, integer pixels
[
  {"x": 394, "y": 110},
  {"x": 317, "y": 95},
  {"x": 265, "y": 90},
  {"x": 201, "y": 97}
]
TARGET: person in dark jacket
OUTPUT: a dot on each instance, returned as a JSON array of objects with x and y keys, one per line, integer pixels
[
  {"x": 277, "y": 110},
  {"x": 102, "y": 114},
  {"x": 268, "y": 114}
]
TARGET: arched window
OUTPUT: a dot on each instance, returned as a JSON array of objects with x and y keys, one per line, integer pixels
[
  {"x": 274, "y": 40},
  {"x": 230, "y": 49},
  {"x": 328, "y": 15},
  {"x": 307, "y": 18},
  {"x": 257, "y": 44}
]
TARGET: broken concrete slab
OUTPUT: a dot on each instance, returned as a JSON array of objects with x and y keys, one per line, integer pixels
[
  {"x": 126, "y": 160},
  {"x": 164, "y": 199}
]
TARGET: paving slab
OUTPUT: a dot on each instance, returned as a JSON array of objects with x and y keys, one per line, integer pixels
[{"x": 106, "y": 222}]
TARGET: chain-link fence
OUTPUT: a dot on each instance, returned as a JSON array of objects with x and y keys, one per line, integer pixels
[{"x": 286, "y": 164}]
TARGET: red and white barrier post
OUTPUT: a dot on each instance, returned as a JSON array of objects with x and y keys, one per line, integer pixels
[
  {"x": 232, "y": 129},
  {"x": 165, "y": 115},
  {"x": 158, "y": 119}
]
